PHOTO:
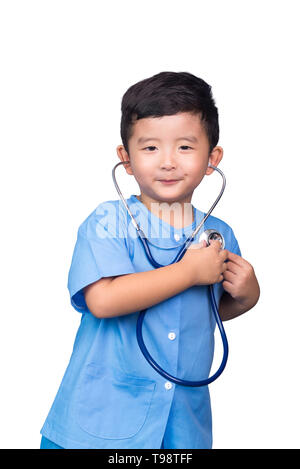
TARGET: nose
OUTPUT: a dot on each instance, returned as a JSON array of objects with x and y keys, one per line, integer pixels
[{"x": 167, "y": 162}]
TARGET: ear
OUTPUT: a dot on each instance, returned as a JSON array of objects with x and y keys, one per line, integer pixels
[
  {"x": 214, "y": 159},
  {"x": 123, "y": 155}
]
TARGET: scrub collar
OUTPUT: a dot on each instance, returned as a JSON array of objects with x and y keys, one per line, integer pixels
[{"x": 160, "y": 233}]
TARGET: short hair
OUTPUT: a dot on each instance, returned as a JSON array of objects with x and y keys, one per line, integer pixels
[{"x": 169, "y": 93}]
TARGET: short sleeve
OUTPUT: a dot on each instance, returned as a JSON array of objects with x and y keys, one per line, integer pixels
[
  {"x": 235, "y": 248},
  {"x": 97, "y": 254}
]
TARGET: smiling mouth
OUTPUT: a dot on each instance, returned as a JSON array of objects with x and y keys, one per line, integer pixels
[{"x": 169, "y": 181}]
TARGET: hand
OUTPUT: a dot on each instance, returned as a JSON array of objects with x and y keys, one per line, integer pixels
[
  {"x": 240, "y": 280},
  {"x": 205, "y": 265}
]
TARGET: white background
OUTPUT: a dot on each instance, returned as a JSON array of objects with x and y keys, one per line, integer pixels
[{"x": 65, "y": 66}]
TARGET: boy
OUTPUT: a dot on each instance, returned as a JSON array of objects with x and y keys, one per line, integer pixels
[{"x": 110, "y": 397}]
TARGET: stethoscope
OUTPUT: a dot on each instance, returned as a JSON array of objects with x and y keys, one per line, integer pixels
[{"x": 207, "y": 235}]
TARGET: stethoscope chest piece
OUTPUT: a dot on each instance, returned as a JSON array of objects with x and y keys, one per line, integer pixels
[{"x": 210, "y": 235}]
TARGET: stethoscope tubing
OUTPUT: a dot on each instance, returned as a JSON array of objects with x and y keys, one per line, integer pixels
[
  {"x": 144, "y": 350},
  {"x": 174, "y": 379},
  {"x": 177, "y": 258}
]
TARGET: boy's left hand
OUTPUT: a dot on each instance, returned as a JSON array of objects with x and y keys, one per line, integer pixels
[{"x": 240, "y": 280}]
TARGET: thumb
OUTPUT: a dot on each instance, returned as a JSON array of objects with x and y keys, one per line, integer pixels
[{"x": 216, "y": 243}]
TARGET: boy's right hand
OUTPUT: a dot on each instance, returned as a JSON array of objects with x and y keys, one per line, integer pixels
[{"x": 205, "y": 264}]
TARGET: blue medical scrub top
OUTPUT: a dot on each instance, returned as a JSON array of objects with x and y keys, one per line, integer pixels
[{"x": 110, "y": 397}]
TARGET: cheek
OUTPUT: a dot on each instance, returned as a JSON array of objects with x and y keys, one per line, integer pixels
[
  {"x": 195, "y": 170},
  {"x": 143, "y": 170},
  {"x": 145, "y": 165}
]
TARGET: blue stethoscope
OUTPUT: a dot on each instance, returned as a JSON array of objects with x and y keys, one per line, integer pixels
[{"x": 208, "y": 235}]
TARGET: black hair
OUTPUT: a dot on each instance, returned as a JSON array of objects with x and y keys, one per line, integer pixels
[{"x": 169, "y": 93}]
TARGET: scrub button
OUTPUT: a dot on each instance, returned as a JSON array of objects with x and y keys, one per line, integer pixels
[
  {"x": 171, "y": 335},
  {"x": 177, "y": 236},
  {"x": 168, "y": 385}
]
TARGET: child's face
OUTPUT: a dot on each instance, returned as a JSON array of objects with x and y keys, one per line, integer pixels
[{"x": 169, "y": 155}]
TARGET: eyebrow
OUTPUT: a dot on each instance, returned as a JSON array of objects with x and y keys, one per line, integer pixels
[{"x": 190, "y": 138}]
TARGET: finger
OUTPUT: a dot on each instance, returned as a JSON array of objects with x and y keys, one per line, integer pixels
[
  {"x": 215, "y": 244},
  {"x": 228, "y": 287},
  {"x": 229, "y": 277},
  {"x": 233, "y": 267},
  {"x": 198, "y": 245},
  {"x": 235, "y": 258},
  {"x": 224, "y": 254},
  {"x": 224, "y": 268},
  {"x": 238, "y": 261},
  {"x": 221, "y": 278}
]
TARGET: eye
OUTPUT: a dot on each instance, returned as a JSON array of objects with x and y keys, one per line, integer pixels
[
  {"x": 182, "y": 146},
  {"x": 186, "y": 146},
  {"x": 149, "y": 147}
]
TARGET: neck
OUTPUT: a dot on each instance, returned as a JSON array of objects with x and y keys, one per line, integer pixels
[{"x": 178, "y": 214}]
